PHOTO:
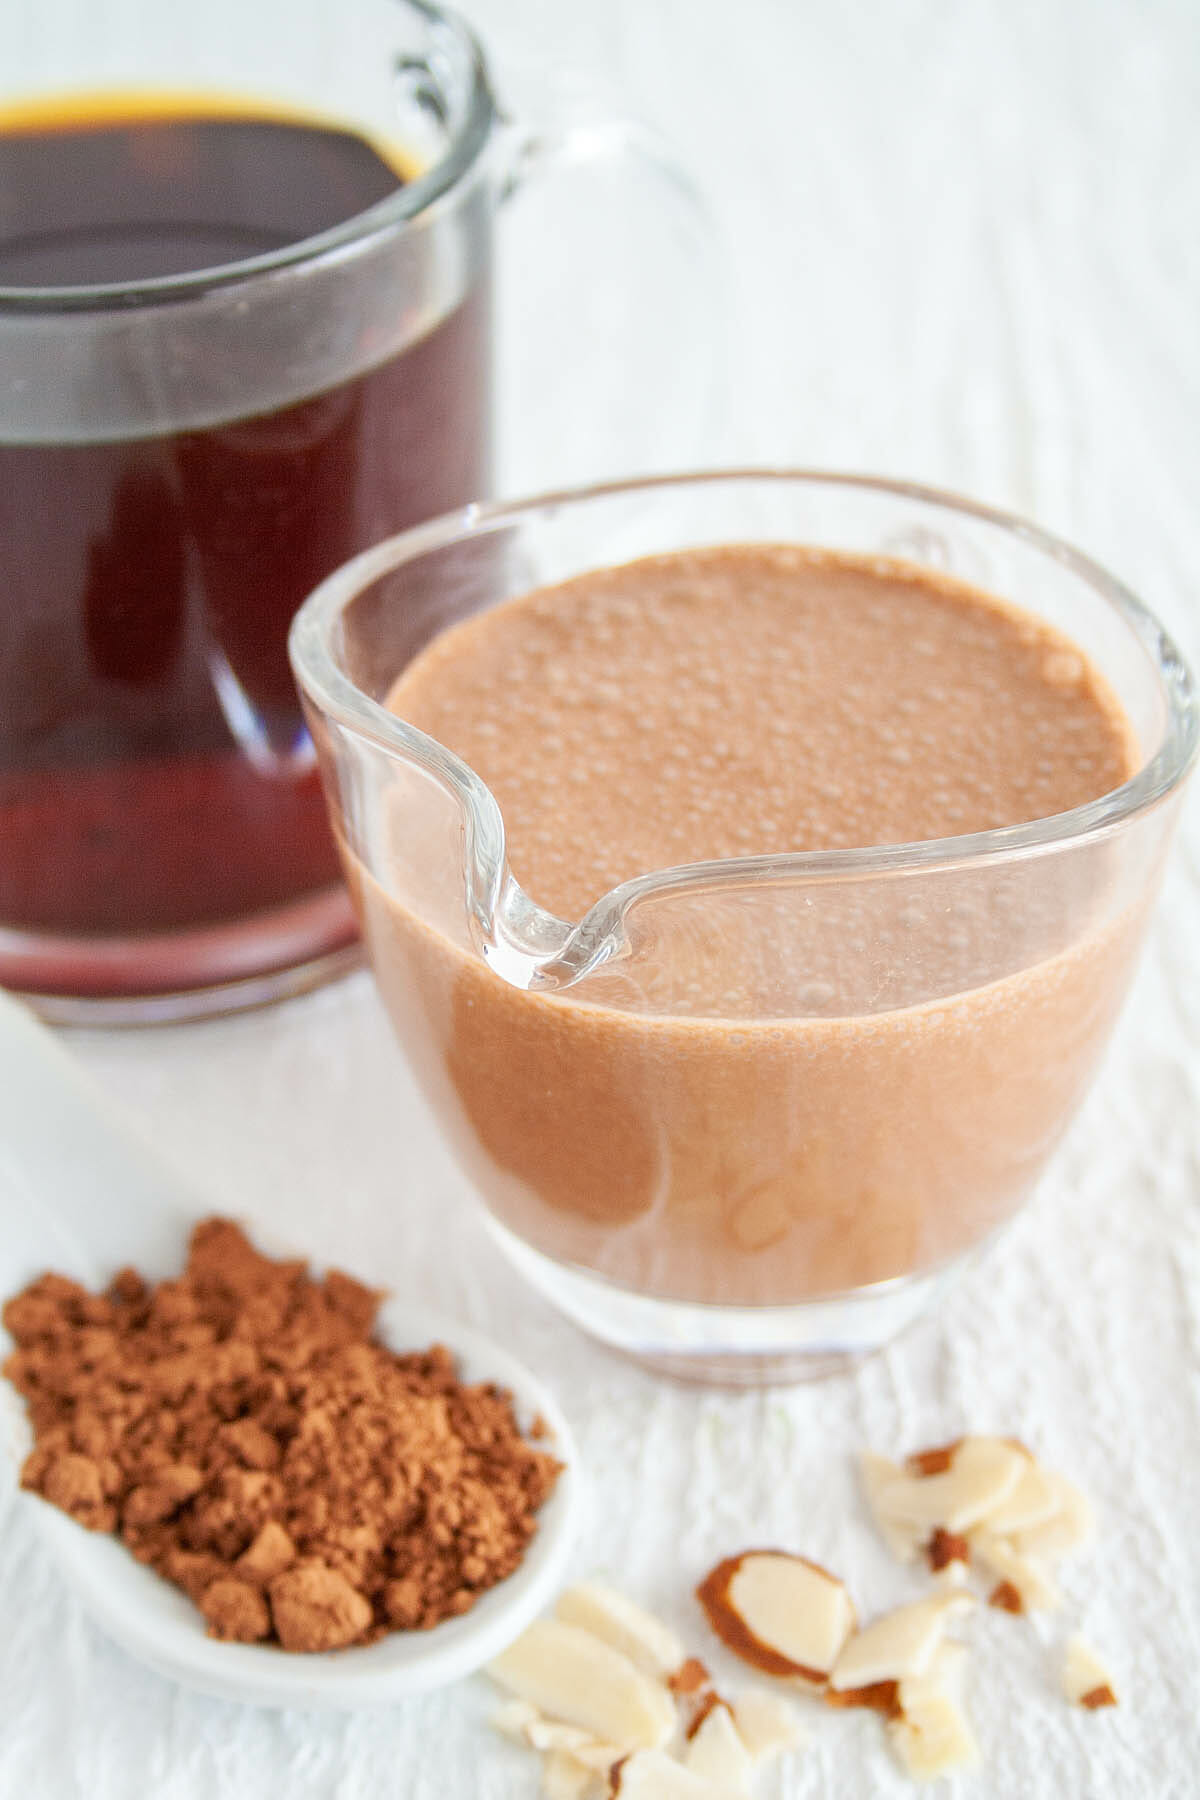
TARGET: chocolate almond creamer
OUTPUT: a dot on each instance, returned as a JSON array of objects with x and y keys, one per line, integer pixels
[{"x": 779, "y": 1088}]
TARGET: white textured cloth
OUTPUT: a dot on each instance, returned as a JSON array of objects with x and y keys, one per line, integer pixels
[{"x": 963, "y": 248}]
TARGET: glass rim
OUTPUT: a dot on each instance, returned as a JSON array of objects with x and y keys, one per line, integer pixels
[
  {"x": 410, "y": 200},
  {"x": 336, "y": 696}
]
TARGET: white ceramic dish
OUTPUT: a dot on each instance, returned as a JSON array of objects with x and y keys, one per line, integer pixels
[{"x": 80, "y": 1194}]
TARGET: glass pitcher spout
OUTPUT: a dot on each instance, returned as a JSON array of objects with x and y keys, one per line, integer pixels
[
  {"x": 741, "y": 1117},
  {"x": 470, "y": 893},
  {"x": 531, "y": 948}
]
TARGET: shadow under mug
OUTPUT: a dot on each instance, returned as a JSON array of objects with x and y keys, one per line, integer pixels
[{"x": 183, "y": 458}]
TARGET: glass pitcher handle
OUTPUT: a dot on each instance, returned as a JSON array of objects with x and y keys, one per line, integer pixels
[{"x": 611, "y": 306}]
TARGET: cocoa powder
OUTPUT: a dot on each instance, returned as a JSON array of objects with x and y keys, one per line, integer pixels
[{"x": 243, "y": 1433}]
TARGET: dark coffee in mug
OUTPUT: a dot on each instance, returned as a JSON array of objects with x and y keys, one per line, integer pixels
[{"x": 155, "y": 777}]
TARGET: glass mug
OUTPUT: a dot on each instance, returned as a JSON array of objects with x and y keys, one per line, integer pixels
[
  {"x": 776, "y": 1191},
  {"x": 185, "y": 455}
]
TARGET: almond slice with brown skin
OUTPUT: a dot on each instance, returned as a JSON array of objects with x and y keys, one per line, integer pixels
[
  {"x": 571, "y": 1676},
  {"x": 696, "y": 1708},
  {"x": 929, "y": 1731},
  {"x": 882, "y": 1697},
  {"x": 934, "y": 1461},
  {"x": 979, "y": 1475},
  {"x": 932, "y": 1736},
  {"x": 947, "y": 1550},
  {"x": 901, "y": 1644},
  {"x": 693, "y": 1706},
  {"x": 691, "y": 1677},
  {"x": 1036, "y": 1591},
  {"x": 1086, "y": 1681},
  {"x": 779, "y": 1612},
  {"x": 953, "y": 1578},
  {"x": 716, "y": 1753},
  {"x": 1006, "y": 1598}
]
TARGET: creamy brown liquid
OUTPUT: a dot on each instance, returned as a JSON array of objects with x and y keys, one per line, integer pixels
[
  {"x": 781, "y": 1088},
  {"x": 146, "y": 579}
]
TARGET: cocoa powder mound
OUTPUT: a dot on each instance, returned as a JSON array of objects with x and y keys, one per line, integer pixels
[{"x": 243, "y": 1433}]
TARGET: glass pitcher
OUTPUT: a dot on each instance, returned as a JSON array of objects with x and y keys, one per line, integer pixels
[{"x": 773, "y": 1185}]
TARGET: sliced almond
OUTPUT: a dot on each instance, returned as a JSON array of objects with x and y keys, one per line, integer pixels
[
  {"x": 691, "y": 1677},
  {"x": 649, "y": 1644},
  {"x": 900, "y": 1644},
  {"x": 1006, "y": 1598},
  {"x": 945, "y": 1549},
  {"x": 932, "y": 1736},
  {"x": 1086, "y": 1681},
  {"x": 766, "y": 1724},
  {"x": 781, "y": 1613},
  {"x": 1033, "y": 1501},
  {"x": 715, "y": 1752},
  {"x": 948, "y": 1669},
  {"x": 524, "y": 1724},
  {"x": 552, "y": 1734},
  {"x": 571, "y": 1676},
  {"x": 903, "y": 1540},
  {"x": 695, "y": 1708},
  {"x": 512, "y": 1719},
  {"x": 877, "y": 1696},
  {"x": 650, "y": 1775},
  {"x": 564, "y": 1777},
  {"x": 1024, "y": 1574},
  {"x": 1070, "y": 1527},
  {"x": 600, "y": 1757},
  {"x": 934, "y": 1461},
  {"x": 980, "y": 1475}
]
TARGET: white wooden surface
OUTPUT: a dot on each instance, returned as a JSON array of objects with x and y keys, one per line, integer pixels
[{"x": 962, "y": 246}]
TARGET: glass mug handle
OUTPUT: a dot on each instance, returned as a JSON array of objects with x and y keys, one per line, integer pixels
[{"x": 611, "y": 311}]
